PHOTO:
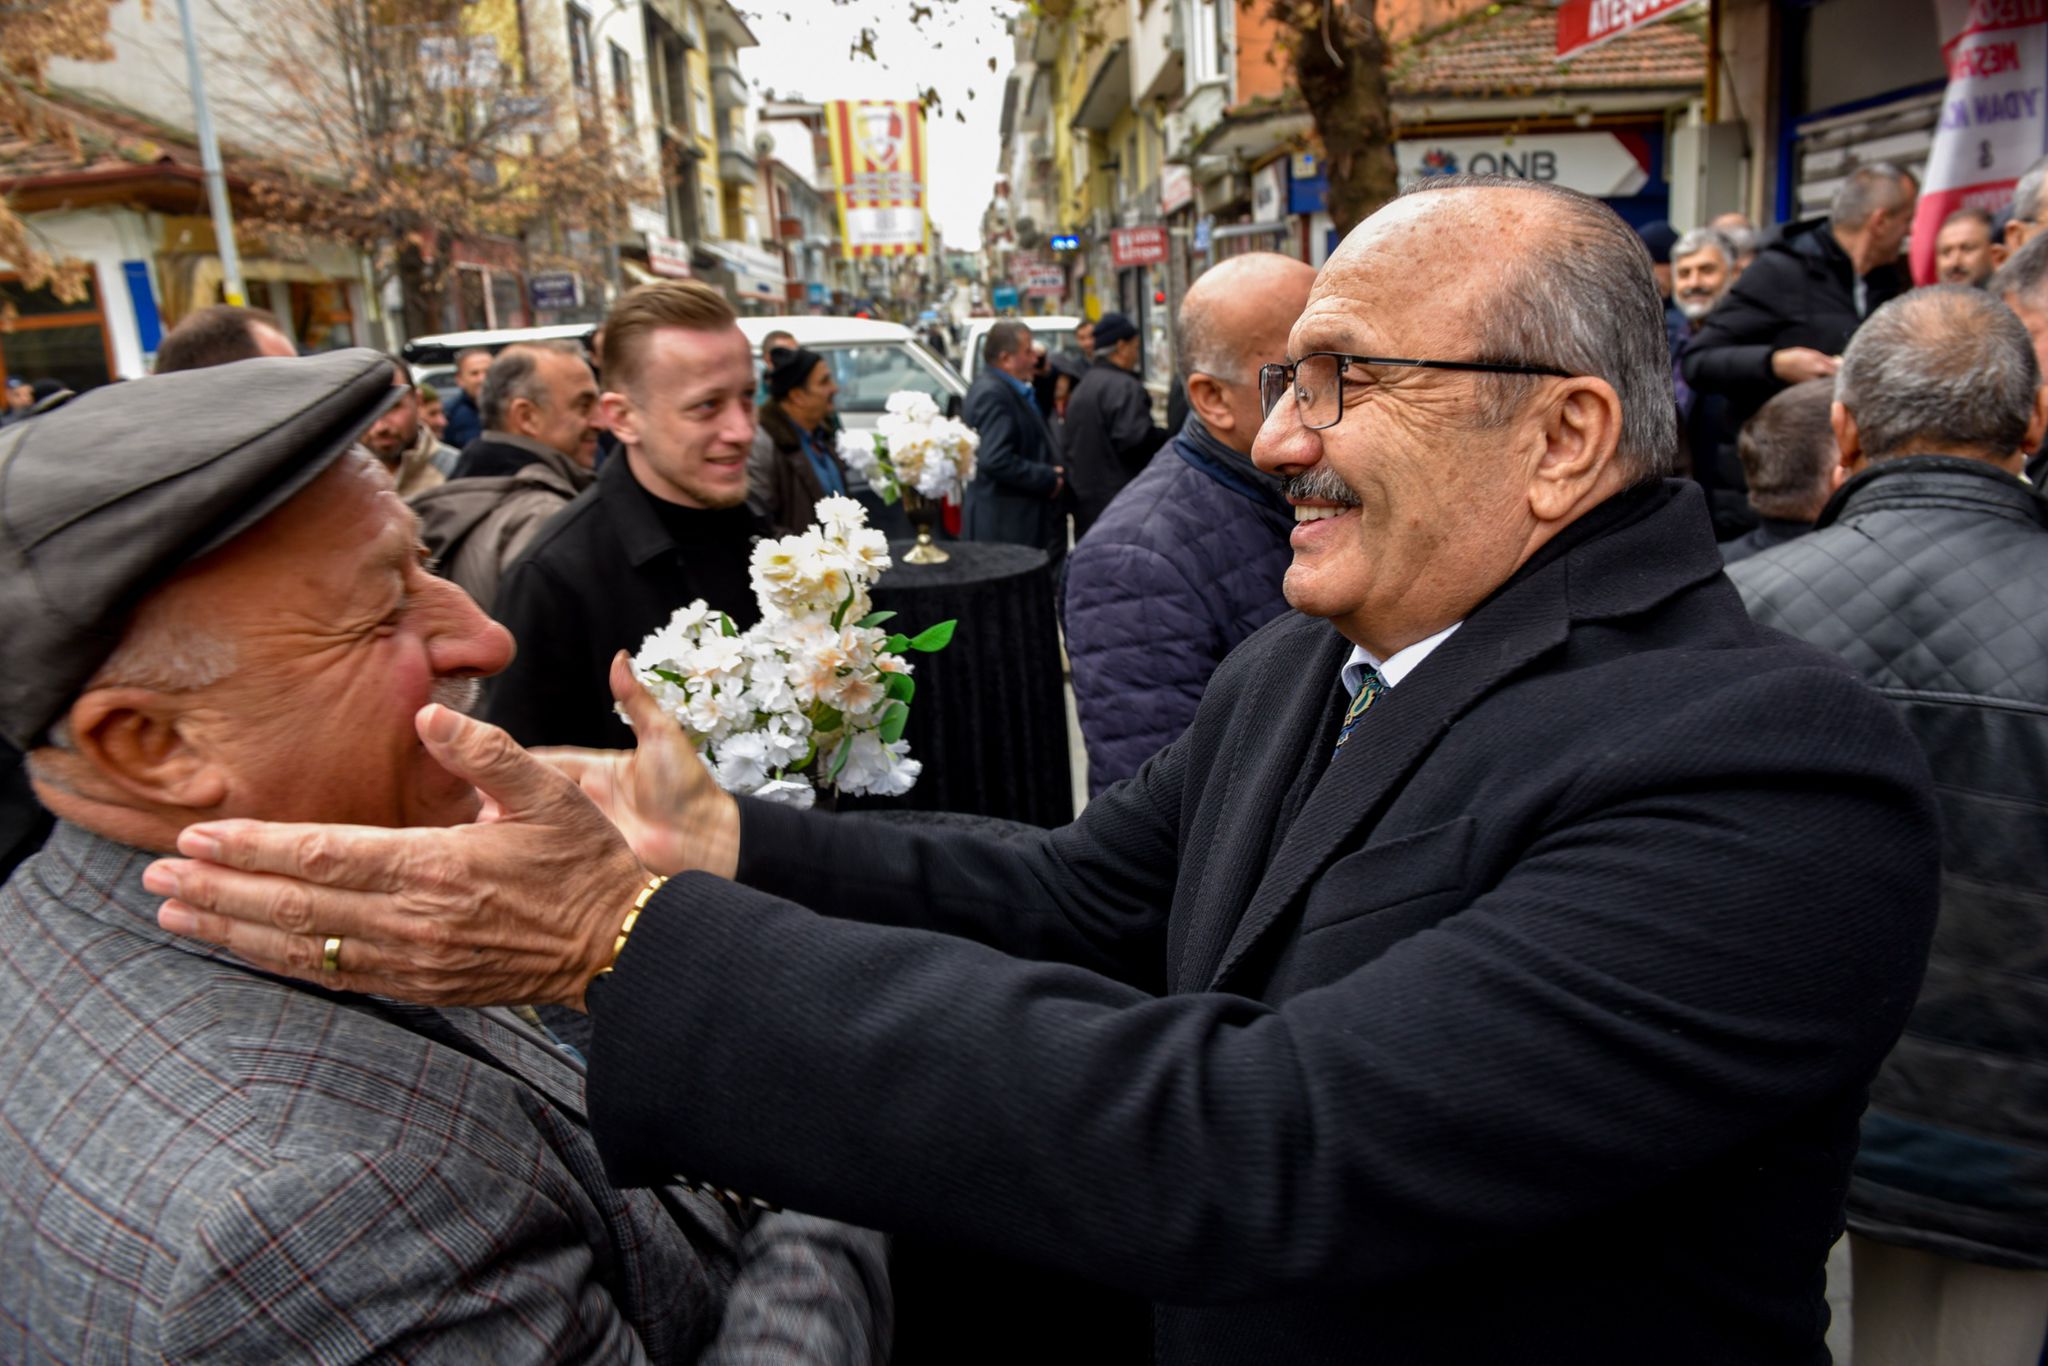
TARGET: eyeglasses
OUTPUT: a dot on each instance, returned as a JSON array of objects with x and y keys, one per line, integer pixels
[{"x": 1317, "y": 381}]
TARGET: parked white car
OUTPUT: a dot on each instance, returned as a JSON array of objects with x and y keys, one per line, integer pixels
[
  {"x": 1055, "y": 334},
  {"x": 870, "y": 360},
  {"x": 433, "y": 358}
]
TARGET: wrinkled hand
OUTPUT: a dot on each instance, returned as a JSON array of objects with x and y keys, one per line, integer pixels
[
  {"x": 1797, "y": 364},
  {"x": 523, "y": 906},
  {"x": 660, "y": 795}
]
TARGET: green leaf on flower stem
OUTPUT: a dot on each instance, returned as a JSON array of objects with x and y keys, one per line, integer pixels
[
  {"x": 725, "y": 626},
  {"x": 825, "y": 718},
  {"x": 668, "y": 677},
  {"x": 839, "y": 615},
  {"x": 934, "y": 638},
  {"x": 873, "y": 619},
  {"x": 894, "y": 717},
  {"x": 839, "y": 764},
  {"x": 896, "y": 645},
  {"x": 900, "y": 687}
]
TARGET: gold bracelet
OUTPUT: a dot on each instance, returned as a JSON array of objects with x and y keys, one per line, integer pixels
[{"x": 654, "y": 884}]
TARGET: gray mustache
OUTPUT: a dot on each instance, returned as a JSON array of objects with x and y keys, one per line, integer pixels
[
  {"x": 456, "y": 694},
  {"x": 1320, "y": 485}
]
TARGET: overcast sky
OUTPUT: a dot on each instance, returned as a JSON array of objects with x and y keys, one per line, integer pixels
[{"x": 806, "y": 53}]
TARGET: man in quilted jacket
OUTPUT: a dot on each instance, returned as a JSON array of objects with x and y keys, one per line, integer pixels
[
  {"x": 1928, "y": 572},
  {"x": 1187, "y": 560}
]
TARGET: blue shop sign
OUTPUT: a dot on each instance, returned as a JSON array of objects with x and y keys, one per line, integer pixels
[{"x": 558, "y": 289}]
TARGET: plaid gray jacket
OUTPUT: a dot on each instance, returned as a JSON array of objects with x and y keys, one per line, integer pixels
[{"x": 202, "y": 1163}]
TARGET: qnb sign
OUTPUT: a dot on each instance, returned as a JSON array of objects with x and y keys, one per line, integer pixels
[
  {"x": 1064, "y": 242},
  {"x": 1533, "y": 165},
  {"x": 1604, "y": 165}
]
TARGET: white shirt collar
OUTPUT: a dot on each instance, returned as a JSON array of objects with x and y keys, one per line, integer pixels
[{"x": 1396, "y": 666}]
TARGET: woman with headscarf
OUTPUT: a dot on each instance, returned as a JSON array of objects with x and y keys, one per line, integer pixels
[{"x": 794, "y": 463}]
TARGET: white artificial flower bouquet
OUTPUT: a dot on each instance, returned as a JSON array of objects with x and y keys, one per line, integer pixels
[
  {"x": 815, "y": 694},
  {"x": 914, "y": 448}
]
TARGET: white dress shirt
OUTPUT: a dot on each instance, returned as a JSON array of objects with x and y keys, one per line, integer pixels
[{"x": 1396, "y": 666}]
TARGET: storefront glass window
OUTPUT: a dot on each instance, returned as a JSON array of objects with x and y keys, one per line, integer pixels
[{"x": 52, "y": 338}]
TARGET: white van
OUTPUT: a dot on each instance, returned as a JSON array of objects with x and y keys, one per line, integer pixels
[
  {"x": 1055, "y": 334},
  {"x": 870, "y": 360}
]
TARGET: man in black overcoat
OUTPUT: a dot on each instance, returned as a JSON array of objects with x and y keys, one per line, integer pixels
[
  {"x": 1492, "y": 972},
  {"x": 1018, "y": 486},
  {"x": 1110, "y": 434}
]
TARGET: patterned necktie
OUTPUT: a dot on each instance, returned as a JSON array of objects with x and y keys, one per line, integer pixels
[{"x": 1369, "y": 689}]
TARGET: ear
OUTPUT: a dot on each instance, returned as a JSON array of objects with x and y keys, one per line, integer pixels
[
  {"x": 1581, "y": 430},
  {"x": 519, "y": 414},
  {"x": 620, "y": 415},
  {"x": 1205, "y": 396},
  {"x": 2037, "y": 425},
  {"x": 1998, "y": 254},
  {"x": 1848, "y": 441},
  {"x": 141, "y": 741}
]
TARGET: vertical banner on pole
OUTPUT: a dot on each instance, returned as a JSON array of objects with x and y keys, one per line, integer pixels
[
  {"x": 878, "y": 160},
  {"x": 1992, "y": 125}
]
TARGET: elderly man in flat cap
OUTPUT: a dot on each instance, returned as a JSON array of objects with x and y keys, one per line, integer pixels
[{"x": 199, "y": 1161}]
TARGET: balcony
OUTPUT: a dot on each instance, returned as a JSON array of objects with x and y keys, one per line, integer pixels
[
  {"x": 736, "y": 164},
  {"x": 728, "y": 87}
]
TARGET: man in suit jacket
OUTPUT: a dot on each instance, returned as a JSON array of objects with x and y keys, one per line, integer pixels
[
  {"x": 202, "y": 1162},
  {"x": 1511, "y": 1000},
  {"x": 1019, "y": 482}
]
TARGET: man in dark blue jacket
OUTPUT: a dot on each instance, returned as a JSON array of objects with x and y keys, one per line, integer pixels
[
  {"x": 1794, "y": 309},
  {"x": 1019, "y": 487},
  {"x": 1187, "y": 560}
]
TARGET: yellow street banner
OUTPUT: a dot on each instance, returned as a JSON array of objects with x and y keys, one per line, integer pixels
[{"x": 878, "y": 160}]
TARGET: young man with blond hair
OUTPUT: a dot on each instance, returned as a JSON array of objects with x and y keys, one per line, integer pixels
[{"x": 665, "y": 523}]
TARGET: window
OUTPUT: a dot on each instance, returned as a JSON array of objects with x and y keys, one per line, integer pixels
[
  {"x": 622, "y": 86},
  {"x": 321, "y": 315},
  {"x": 867, "y": 375},
  {"x": 52, "y": 338},
  {"x": 580, "y": 73}
]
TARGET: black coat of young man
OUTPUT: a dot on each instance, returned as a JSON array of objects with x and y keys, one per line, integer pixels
[{"x": 1534, "y": 1027}]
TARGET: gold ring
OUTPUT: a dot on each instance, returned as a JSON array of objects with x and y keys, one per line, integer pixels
[{"x": 330, "y": 955}]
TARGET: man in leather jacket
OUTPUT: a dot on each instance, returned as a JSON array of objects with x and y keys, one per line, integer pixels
[{"x": 1928, "y": 572}]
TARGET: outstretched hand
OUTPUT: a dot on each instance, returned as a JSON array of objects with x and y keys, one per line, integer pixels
[
  {"x": 659, "y": 794},
  {"x": 523, "y": 906}
]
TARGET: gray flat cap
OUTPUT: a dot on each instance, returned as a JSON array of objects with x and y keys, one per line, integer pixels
[{"x": 103, "y": 499}]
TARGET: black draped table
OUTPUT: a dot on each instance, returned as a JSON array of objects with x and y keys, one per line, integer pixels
[{"x": 989, "y": 722}]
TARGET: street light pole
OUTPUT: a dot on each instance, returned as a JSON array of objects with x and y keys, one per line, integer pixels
[{"x": 209, "y": 157}]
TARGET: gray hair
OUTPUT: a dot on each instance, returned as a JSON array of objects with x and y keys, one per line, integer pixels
[
  {"x": 1880, "y": 185},
  {"x": 1945, "y": 369},
  {"x": 162, "y": 649},
  {"x": 1788, "y": 451},
  {"x": 1699, "y": 239},
  {"x": 515, "y": 374},
  {"x": 1581, "y": 297},
  {"x": 2024, "y": 273},
  {"x": 2026, "y": 194},
  {"x": 1005, "y": 338}
]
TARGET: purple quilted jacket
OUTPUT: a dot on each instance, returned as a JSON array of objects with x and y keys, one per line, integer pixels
[{"x": 1185, "y": 563}]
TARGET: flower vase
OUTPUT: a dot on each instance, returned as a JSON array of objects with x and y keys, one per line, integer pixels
[{"x": 924, "y": 515}]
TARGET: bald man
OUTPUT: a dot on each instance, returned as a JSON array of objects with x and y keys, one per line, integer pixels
[{"x": 1188, "y": 559}]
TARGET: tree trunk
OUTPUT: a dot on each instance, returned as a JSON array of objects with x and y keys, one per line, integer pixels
[
  {"x": 1347, "y": 97},
  {"x": 423, "y": 283}
]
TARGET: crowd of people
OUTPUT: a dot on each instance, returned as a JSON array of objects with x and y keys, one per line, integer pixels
[{"x": 1565, "y": 736}]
